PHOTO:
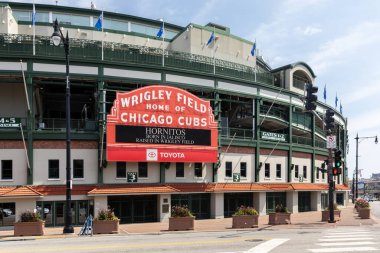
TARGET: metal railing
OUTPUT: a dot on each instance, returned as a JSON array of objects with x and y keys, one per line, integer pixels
[
  {"x": 80, "y": 49},
  {"x": 59, "y": 125},
  {"x": 302, "y": 140},
  {"x": 274, "y": 112},
  {"x": 237, "y": 132}
]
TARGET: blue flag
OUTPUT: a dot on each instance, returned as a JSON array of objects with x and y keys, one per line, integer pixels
[
  {"x": 161, "y": 31},
  {"x": 336, "y": 100},
  {"x": 211, "y": 39},
  {"x": 341, "y": 108},
  {"x": 99, "y": 23},
  {"x": 34, "y": 16},
  {"x": 324, "y": 93},
  {"x": 253, "y": 49}
]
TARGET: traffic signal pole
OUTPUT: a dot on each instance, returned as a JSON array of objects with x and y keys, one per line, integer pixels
[{"x": 331, "y": 187}]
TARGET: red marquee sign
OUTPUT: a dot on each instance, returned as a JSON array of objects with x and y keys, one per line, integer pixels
[{"x": 162, "y": 124}]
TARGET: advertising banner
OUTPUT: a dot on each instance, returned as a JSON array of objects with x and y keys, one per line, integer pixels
[{"x": 163, "y": 124}]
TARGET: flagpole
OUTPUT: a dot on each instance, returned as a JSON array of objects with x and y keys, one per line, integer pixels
[
  {"x": 102, "y": 35},
  {"x": 214, "y": 48},
  {"x": 34, "y": 28},
  {"x": 163, "y": 40}
]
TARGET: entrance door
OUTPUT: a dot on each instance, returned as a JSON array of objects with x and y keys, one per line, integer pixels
[
  {"x": 324, "y": 201},
  {"x": 199, "y": 204},
  {"x": 134, "y": 209},
  {"x": 232, "y": 201},
  {"x": 274, "y": 199},
  {"x": 304, "y": 201}
]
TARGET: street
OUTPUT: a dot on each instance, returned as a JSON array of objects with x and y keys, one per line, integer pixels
[
  {"x": 271, "y": 239},
  {"x": 274, "y": 239}
]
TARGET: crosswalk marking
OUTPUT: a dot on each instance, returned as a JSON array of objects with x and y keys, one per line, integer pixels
[
  {"x": 343, "y": 239},
  {"x": 346, "y": 241},
  {"x": 351, "y": 249},
  {"x": 267, "y": 246},
  {"x": 327, "y": 244}
]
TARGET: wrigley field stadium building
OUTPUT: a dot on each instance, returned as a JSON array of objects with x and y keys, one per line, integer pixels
[{"x": 161, "y": 115}]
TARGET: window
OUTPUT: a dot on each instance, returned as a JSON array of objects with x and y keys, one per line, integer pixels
[
  {"x": 53, "y": 169},
  {"x": 6, "y": 169},
  {"x": 78, "y": 171},
  {"x": 243, "y": 169},
  {"x": 278, "y": 170},
  {"x": 323, "y": 175},
  {"x": 180, "y": 170},
  {"x": 228, "y": 169},
  {"x": 267, "y": 170},
  {"x": 143, "y": 169},
  {"x": 121, "y": 170},
  {"x": 198, "y": 169},
  {"x": 296, "y": 171},
  {"x": 317, "y": 174},
  {"x": 304, "y": 172}
]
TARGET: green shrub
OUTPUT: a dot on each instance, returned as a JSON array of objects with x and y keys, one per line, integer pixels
[
  {"x": 246, "y": 210},
  {"x": 181, "y": 211},
  {"x": 335, "y": 207},
  {"x": 362, "y": 203},
  {"x": 107, "y": 214},
  {"x": 29, "y": 216},
  {"x": 280, "y": 208}
]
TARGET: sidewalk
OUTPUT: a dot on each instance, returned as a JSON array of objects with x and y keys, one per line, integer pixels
[{"x": 299, "y": 220}]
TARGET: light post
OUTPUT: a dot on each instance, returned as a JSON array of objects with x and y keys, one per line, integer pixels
[
  {"x": 57, "y": 36},
  {"x": 357, "y": 158}
]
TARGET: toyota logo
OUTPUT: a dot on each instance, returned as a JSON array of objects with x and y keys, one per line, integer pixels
[{"x": 151, "y": 154}]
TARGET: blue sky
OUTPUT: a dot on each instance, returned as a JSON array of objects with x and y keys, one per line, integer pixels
[{"x": 339, "y": 39}]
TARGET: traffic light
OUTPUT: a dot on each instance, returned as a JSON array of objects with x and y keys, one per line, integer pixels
[
  {"x": 329, "y": 120},
  {"x": 311, "y": 98},
  {"x": 337, "y": 170}
]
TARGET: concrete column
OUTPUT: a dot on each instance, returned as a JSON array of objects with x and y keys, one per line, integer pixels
[
  {"x": 23, "y": 205},
  {"x": 164, "y": 207},
  {"x": 217, "y": 205},
  {"x": 100, "y": 203},
  {"x": 316, "y": 201},
  {"x": 260, "y": 202},
  {"x": 292, "y": 201}
]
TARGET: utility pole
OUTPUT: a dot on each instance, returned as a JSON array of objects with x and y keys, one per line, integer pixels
[{"x": 330, "y": 127}]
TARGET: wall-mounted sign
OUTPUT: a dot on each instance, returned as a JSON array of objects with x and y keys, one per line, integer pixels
[
  {"x": 273, "y": 136},
  {"x": 6, "y": 122},
  {"x": 132, "y": 177},
  {"x": 236, "y": 177},
  {"x": 163, "y": 124}
]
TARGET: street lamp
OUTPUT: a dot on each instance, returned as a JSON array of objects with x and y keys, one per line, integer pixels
[
  {"x": 57, "y": 36},
  {"x": 357, "y": 157}
]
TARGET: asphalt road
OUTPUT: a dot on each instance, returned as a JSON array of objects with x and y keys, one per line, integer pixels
[
  {"x": 340, "y": 239},
  {"x": 271, "y": 239}
]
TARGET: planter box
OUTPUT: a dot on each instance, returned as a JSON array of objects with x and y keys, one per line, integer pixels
[
  {"x": 106, "y": 226},
  {"x": 364, "y": 213},
  {"x": 326, "y": 214},
  {"x": 181, "y": 223},
  {"x": 245, "y": 221},
  {"x": 29, "y": 228},
  {"x": 279, "y": 218}
]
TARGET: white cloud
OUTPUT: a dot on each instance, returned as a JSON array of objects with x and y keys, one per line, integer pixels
[
  {"x": 368, "y": 120},
  {"x": 344, "y": 48},
  {"x": 205, "y": 13},
  {"x": 309, "y": 30}
]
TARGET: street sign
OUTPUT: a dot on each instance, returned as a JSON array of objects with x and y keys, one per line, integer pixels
[
  {"x": 300, "y": 179},
  {"x": 132, "y": 177},
  {"x": 6, "y": 122},
  {"x": 236, "y": 177},
  {"x": 331, "y": 141}
]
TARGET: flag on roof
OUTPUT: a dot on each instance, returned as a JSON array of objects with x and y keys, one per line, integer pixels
[
  {"x": 161, "y": 31},
  {"x": 211, "y": 39},
  {"x": 99, "y": 23},
  {"x": 253, "y": 49}
]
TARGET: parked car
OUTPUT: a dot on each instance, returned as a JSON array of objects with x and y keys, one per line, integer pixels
[{"x": 7, "y": 212}]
